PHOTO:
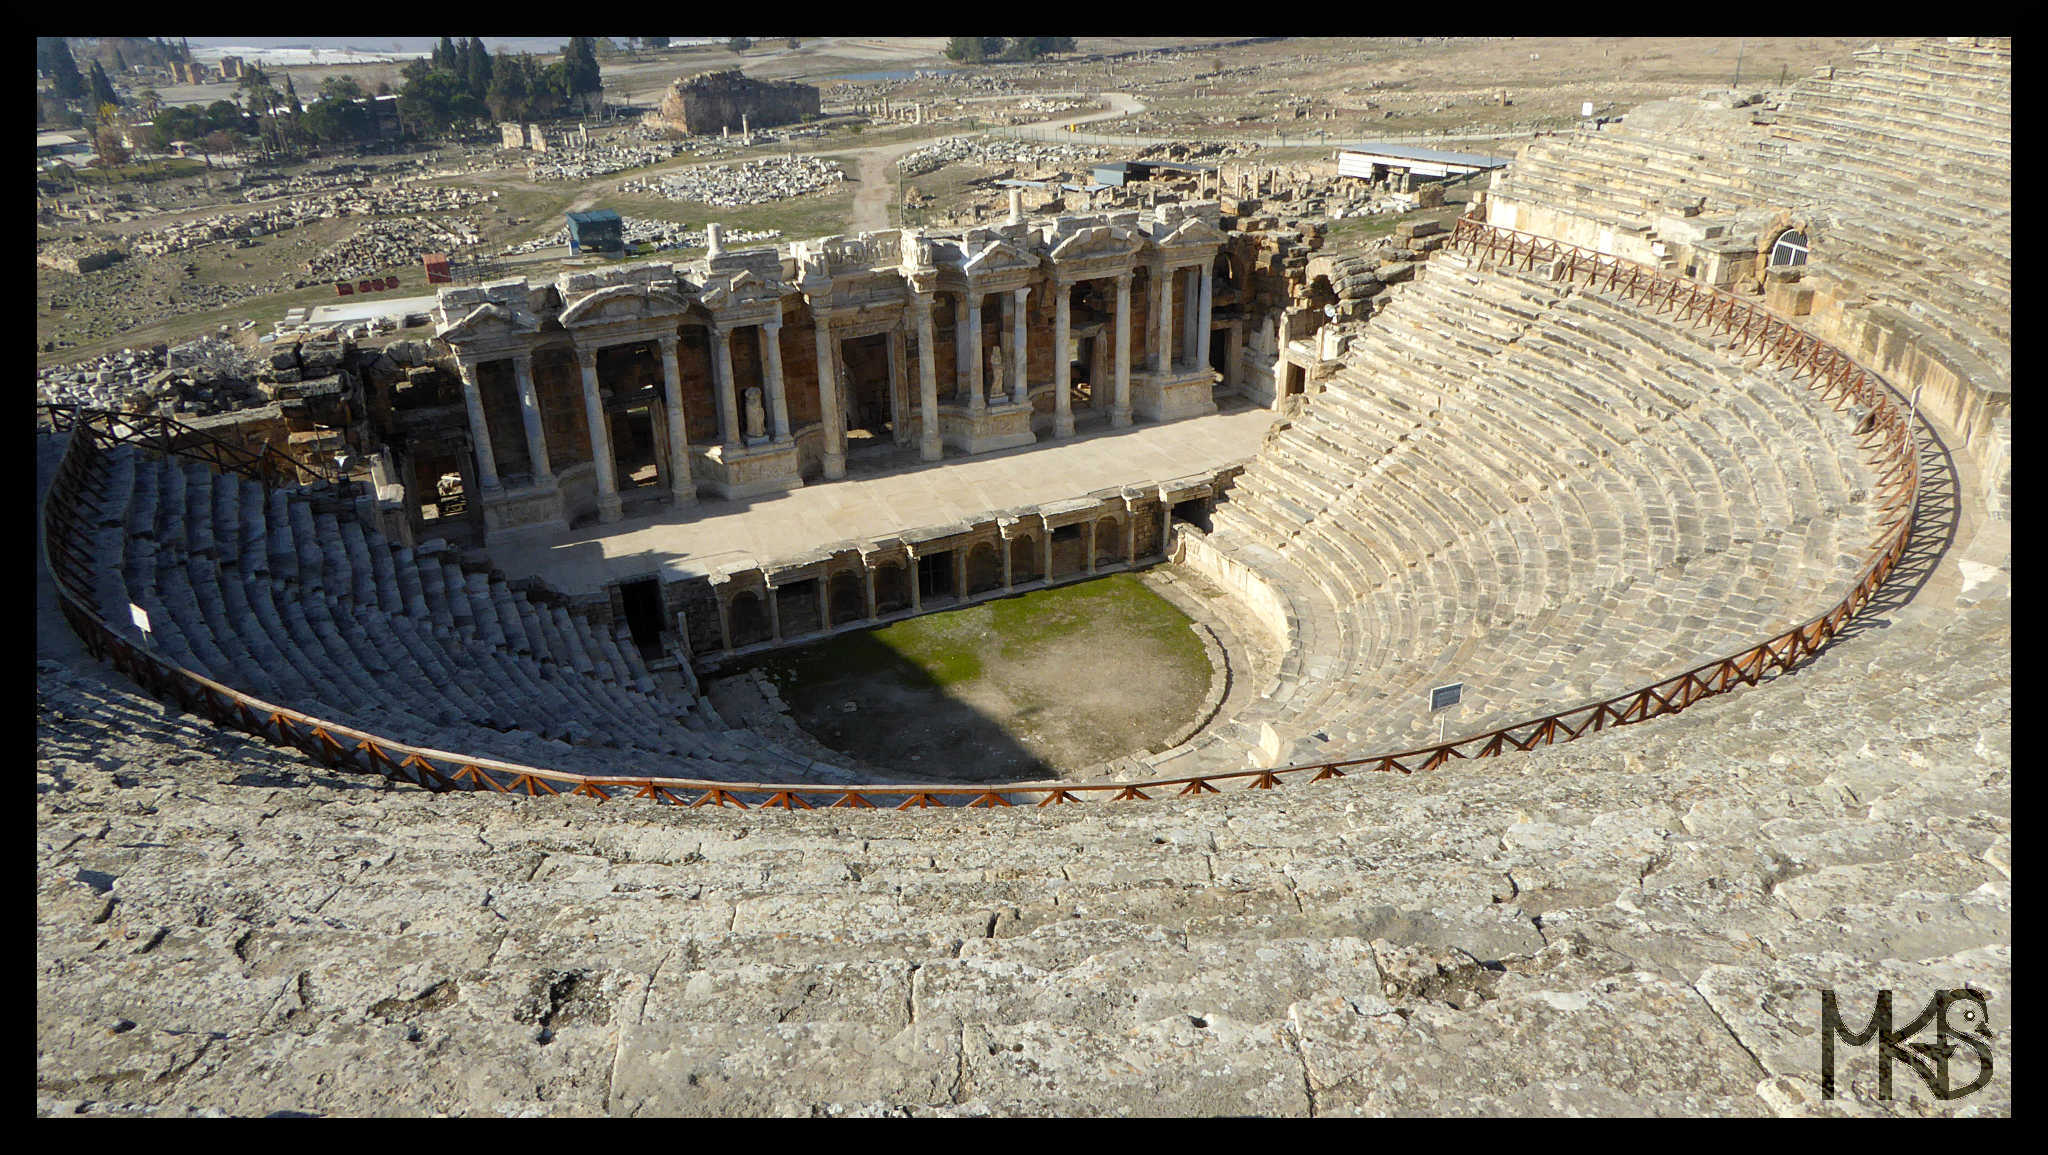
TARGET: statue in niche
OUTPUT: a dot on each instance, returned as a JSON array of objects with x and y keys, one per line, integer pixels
[
  {"x": 996, "y": 392},
  {"x": 755, "y": 433}
]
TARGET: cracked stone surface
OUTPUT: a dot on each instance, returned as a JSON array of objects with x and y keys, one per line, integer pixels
[{"x": 1637, "y": 923}]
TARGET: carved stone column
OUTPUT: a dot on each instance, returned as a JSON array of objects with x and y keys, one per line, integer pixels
[
  {"x": 1120, "y": 409},
  {"x": 927, "y": 380},
  {"x": 778, "y": 402},
  {"x": 976, "y": 400},
  {"x": 479, "y": 429},
  {"x": 529, "y": 413},
  {"x": 608, "y": 507},
  {"x": 1202, "y": 332},
  {"x": 1020, "y": 387},
  {"x": 680, "y": 485},
  {"x": 1162, "y": 287},
  {"x": 1062, "y": 368},
  {"x": 721, "y": 388},
  {"x": 828, "y": 400}
]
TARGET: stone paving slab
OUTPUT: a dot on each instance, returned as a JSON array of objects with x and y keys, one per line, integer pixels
[{"x": 725, "y": 534}]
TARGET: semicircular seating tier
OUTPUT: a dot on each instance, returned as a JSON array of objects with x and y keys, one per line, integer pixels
[
  {"x": 278, "y": 595},
  {"x": 1546, "y": 494},
  {"x": 1898, "y": 168}
]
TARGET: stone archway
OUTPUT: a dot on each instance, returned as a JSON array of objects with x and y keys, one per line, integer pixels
[
  {"x": 892, "y": 588},
  {"x": 1024, "y": 559},
  {"x": 747, "y": 619},
  {"x": 849, "y": 603},
  {"x": 984, "y": 568},
  {"x": 1109, "y": 541}
]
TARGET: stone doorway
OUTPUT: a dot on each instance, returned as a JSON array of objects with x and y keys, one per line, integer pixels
[
  {"x": 871, "y": 411},
  {"x": 634, "y": 452},
  {"x": 644, "y": 614}
]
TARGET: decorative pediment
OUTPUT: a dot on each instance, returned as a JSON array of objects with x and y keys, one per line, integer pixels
[
  {"x": 488, "y": 322},
  {"x": 1192, "y": 231},
  {"x": 1099, "y": 241},
  {"x": 998, "y": 257},
  {"x": 623, "y": 303}
]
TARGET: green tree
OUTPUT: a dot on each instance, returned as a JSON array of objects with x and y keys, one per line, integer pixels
[
  {"x": 102, "y": 88},
  {"x": 973, "y": 49},
  {"x": 794, "y": 42},
  {"x": 444, "y": 55},
  {"x": 149, "y": 102},
  {"x": 120, "y": 62},
  {"x": 509, "y": 93},
  {"x": 107, "y": 142},
  {"x": 54, "y": 59},
  {"x": 655, "y": 41},
  {"x": 477, "y": 74},
  {"x": 341, "y": 88},
  {"x": 739, "y": 45}
]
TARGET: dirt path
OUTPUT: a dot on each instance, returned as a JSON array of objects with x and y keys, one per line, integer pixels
[{"x": 873, "y": 200}]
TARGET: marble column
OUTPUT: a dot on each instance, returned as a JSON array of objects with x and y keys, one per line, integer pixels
[
  {"x": 828, "y": 400},
  {"x": 976, "y": 399},
  {"x": 1009, "y": 568},
  {"x": 600, "y": 437},
  {"x": 778, "y": 401},
  {"x": 1091, "y": 544},
  {"x": 867, "y": 582},
  {"x": 1045, "y": 555},
  {"x": 899, "y": 403},
  {"x": 680, "y": 485},
  {"x": 1020, "y": 350},
  {"x": 479, "y": 429},
  {"x": 721, "y": 388},
  {"x": 774, "y": 612},
  {"x": 914, "y": 571},
  {"x": 529, "y": 412},
  {"x": 927, "y": 380},
  {"x": 824, "y": 602},
  {"x": 1130, "y": 535},
  {"x": 1120, "y": 409},
  {"x": 1191, "y": 341},
  {"x": 1062, "y": 362},
  {"x": 1162, "y": 287}
]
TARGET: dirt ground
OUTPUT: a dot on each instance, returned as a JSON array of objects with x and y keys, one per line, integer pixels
[
  {"x": 1036, "y": 686},
  {"x": 1274, "y": 96}
]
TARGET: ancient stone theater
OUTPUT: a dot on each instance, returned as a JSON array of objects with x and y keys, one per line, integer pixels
[{"x": 1611, "y": 600}]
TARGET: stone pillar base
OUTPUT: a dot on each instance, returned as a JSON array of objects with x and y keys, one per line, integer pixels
[
  {"x": 1063, "y": 424},
  {"x": 986, "y": 430},
  {"x": 835, "y": 466},
  {"x": 609, "y": 507},
  {"x": 1189, "y": 393},
  {"x": 753, "y": 470}
]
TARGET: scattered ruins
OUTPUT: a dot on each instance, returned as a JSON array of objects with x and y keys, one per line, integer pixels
[
  {"x": 1685, "y": 455},
  {"x": 731, "y": 101}
]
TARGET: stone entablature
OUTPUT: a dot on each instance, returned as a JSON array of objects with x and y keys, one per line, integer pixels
[{"x": 1009, "y": 291}]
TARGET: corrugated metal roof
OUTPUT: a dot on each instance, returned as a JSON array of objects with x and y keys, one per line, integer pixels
[{"x": 1433, "y": 155}]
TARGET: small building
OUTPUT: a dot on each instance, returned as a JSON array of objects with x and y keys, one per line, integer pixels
[
  {"x": 597, "y": 231},
  {"x": 1405, "y": 165},
  {"x": 1125, "y": 171}
]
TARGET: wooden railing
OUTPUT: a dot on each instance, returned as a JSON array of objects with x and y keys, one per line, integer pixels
[{"x": 1882, "y": 429}]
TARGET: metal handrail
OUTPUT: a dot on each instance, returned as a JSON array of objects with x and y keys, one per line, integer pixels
[{"x": 1839, "y": 379}]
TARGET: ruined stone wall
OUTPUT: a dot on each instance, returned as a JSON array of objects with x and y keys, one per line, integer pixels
[{"x": 716, "y": 101}]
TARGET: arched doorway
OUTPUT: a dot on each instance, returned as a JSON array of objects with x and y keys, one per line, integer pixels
[
  {"x": 1109, "y": 542},
  {"x": 747, "y": 619},
  {"x": 1024, "y": 560},
  {"x": 984, "y": 569},
  {"x": 848, "y": 603}
]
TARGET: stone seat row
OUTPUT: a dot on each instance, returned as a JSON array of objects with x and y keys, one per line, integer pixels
[
  {"x": 1628, "y": 520},
  {"x": 445, "y": 659}
]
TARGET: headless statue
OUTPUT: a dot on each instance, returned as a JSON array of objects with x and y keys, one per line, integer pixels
[{"x": 996, "y": 392}]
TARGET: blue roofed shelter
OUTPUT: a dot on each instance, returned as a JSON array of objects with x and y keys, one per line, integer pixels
[{"x": 598, "y": 231}]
